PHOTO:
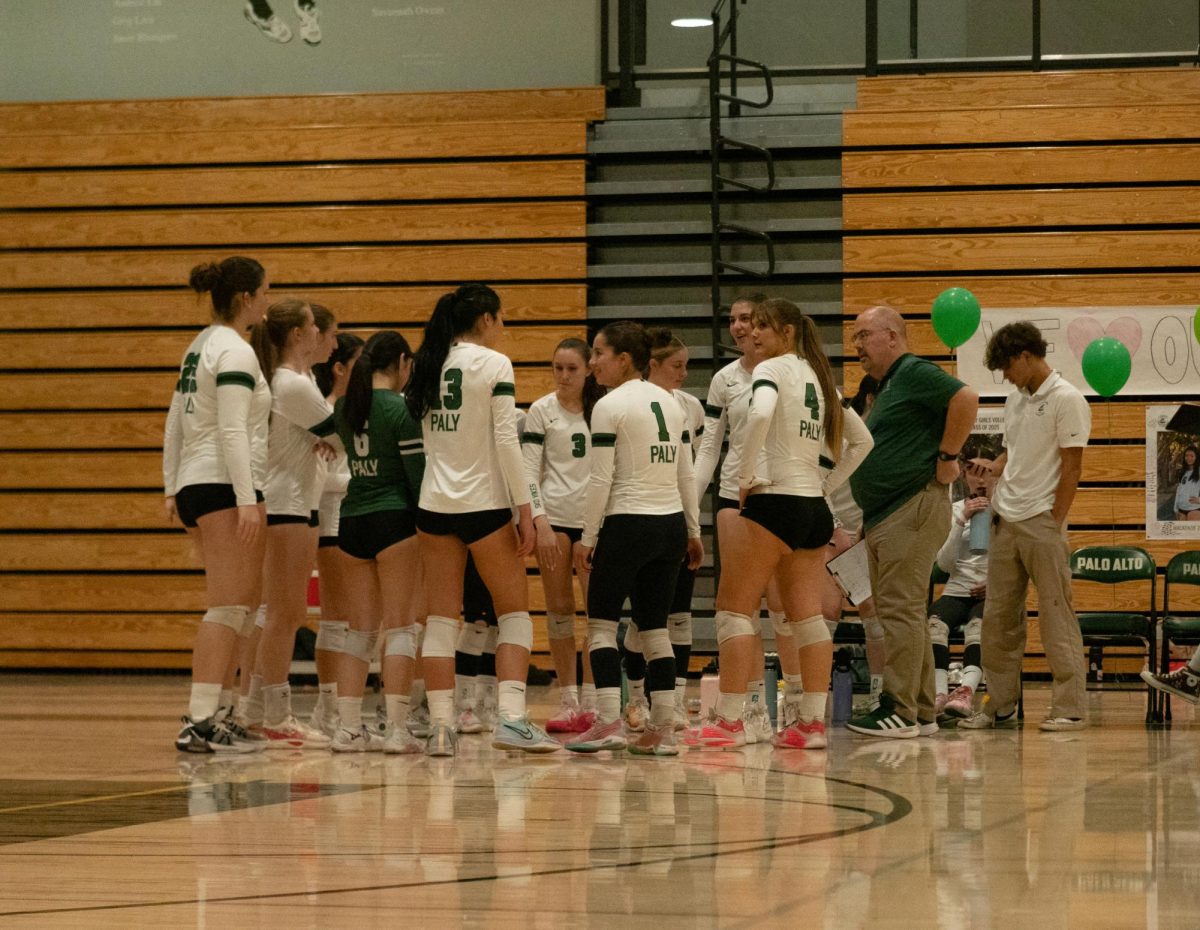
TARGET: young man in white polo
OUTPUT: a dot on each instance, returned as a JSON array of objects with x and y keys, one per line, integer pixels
[{"x": 1046, "y": 426}]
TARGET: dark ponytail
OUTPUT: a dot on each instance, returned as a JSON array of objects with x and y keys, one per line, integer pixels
[
  {"x": 456, "y": 313},
  {"x": 235, "y": 275},
  {"x": 627, "y": 336},
  {"x": 382, "y": 351},
  {"x": 592, "y": 389},
  {"x": 343, "y": 352}
]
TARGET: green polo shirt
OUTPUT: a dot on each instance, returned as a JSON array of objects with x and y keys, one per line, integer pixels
[{"x": 906, "y": 421}]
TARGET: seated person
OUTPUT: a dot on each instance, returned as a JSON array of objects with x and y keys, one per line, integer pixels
[{"x": 961, "y": 603}]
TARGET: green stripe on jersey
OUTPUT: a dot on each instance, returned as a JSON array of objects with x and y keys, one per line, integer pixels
[
  {"x": 504, "y": 389},
  {"x": 534, "y": 439},
  {"x": 766, "y": 382},
  {"x": 239, "y": 378},
  {"x": 686, "y": 436},
  {"x": 825, "y": 462},
  {"x": 324, "y": 428},
  {"x": 604, "y": 440},
  {"x": 712, "y": 410}
]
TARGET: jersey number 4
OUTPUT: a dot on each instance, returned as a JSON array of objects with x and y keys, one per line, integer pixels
[{"x": 811, "y": 402}]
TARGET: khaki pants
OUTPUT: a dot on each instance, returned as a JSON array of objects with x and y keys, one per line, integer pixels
[
  {"x": 900, "y": 551},
  {"x": 1031, "y": 549}
]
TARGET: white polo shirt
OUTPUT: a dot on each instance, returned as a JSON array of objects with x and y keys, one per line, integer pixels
[{"x": 1036, "y": 427}]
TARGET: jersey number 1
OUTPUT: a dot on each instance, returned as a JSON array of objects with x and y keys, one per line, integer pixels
[{"x": 663, "y": 435}]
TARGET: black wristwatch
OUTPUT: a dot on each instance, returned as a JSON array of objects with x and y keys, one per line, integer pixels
[{"x": 947, "y": 456}]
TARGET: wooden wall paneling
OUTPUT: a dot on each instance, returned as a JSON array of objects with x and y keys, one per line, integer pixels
[
  {"x": 1021, "y": 251},
  {"x": 67, "y": 658},
  {"x": 1135, "y": 87},
  {"x": 420, "y": 141},
  {"x": 1029, "y": 165},
  {"x": 169, "y": 550},
  {"x": 91, "y": 470},
  {"x": 157, "y": 349},
  {"x": 1031, "y": 125},
  {"x": 294, "y": 267},
  {"x": 291, "y": 112},
  {"x": 292, "y": 184},
  {"x": 231, "y": 228},
  {"x": 83, "y": 510},
  {"x": 353, "y": 305},
  {"x": 152, "y": 390},
  {"x": 971, "y": 209},
  {"x": 154, "y": 631}
]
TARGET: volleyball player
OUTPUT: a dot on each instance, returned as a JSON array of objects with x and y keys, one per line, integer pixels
[
  {"x": 377, "y": 532},
  {"x": 556, "y": 443},
  {"x": 462, "y": 391},
  {"x": 287, "y": 342},
  {"x": 214, "y": 467},
  {"x": 785, "y": 523},
  {"x": 643, "y": 490},
  {"x": 332, "y": 376}
]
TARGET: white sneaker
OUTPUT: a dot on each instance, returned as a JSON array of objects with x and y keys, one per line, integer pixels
[
  {"x": 310, "y": 29},
  {"x": 399, "y": 742},
  {"x": 292, "y": 734},
  {"x": 418, "y": 721},
  {"x": 519, "y": 733},
  {"x": 325, "y": 722},
  {"x": 360, "y": 740},
  {"x": 468, "y": 722},
  {"x": 758, "y": 724},
  {"x": 637, "y": 712},
  {"x": 681, "y": 715},
  {"x": 441, "y": 741},
  {"x": 1062, "y": 724},
  {"x": 273, "y": 27}
]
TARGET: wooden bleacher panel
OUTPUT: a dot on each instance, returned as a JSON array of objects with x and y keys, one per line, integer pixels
[
  {"x": 374, "y": 205},
  {"x": 1008, "y": 232}
]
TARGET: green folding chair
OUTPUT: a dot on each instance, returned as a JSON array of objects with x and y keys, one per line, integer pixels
[
  {"x": 1184, "y": 629},
  {"x": 1116, "y": 565}
]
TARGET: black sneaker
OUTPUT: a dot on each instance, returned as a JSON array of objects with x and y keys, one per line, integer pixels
[
  {"x": 884, "y": 721},
  {"x": 208, "y": 736},
  {"x": 1182, "y": 682}
]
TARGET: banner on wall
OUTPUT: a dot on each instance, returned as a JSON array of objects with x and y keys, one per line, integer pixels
[
  {"x": 1172, "y": 477},
  {"x": 1164, "y": 351}
]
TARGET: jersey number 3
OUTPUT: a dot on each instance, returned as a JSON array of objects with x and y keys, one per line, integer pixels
[
  {"x": 452, "y": 399},
  {"x": 578, "y": 445}
]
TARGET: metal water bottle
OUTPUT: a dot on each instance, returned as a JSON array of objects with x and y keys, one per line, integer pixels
[
  {"x": 843, "y": 687},
  {"x": 771, "y": 686}
]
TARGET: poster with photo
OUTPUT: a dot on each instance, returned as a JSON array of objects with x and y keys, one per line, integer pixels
[{"x": 1172, "y": 477}]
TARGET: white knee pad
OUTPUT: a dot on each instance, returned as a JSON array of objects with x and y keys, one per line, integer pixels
[
  {"x": 679, "y": 629},
  {"x": 260, "y": 617},
  {"x": 331, "y": 635},
  {"x": 360, "y": 644},
  {"x": 419, "y": 632},
  {"x": 730, "y": 625},
  {"x": 810, "y": 631},
  {"x": 440, "y": 635},
  {"x": 872, "y": 628},
  {"x": 633, "y": 637},
  {"x": 656, "y": 644},
  {"x": 973, "y": 632},
  {"x": 232, "y": 617},
  {"x": 491, "y": 638},
  {"x": 401, "y": 641},
  {"x": 756, "y": 623},
  {"x": 939, "y": 633},
  {"x": 779, "y": 621},
  {"x": 515, "y": 629},
  {"x": 560, "y": 626},
  {"x": 602, "y": 634}
]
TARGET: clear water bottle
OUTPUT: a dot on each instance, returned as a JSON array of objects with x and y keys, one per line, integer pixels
[
  {"x": 843, "y": 687},
  {"x": 980, "y": 532}
]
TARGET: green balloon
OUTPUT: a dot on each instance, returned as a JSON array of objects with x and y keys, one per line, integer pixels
[
  {"x": 955, "y": 316},
  {"x": 1106, "y": 365}
]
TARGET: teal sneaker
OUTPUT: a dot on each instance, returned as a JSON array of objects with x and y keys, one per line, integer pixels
[{"x": 519, "y": 733}]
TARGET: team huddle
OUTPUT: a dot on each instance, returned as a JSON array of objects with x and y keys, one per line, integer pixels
[{"x": 410, "y": 481}]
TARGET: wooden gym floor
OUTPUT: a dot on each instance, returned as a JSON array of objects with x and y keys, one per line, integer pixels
[{"x": 103, "y": 824}]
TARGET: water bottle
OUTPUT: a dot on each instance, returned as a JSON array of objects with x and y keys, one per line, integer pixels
[
  {"x": 771, "y": 687},
  {"x": 843, "y": 687},
  {"x": 980, "y": 532}
]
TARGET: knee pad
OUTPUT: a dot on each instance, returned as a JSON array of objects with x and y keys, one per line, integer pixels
[
  {"x": 973, "y": 631},
  {"x": 560, "y": 626},
  {"x": 656, "y": 644},
  {"x": 491, "y": 638},
  {"x": 602, "y": 634},
  {"x": 331, "y": 635},
  {"x": 515, "y": 629},
  {"x": 730, "y": 625},
  {"x": 260, "y": 617},
  {"x": 939, "y": 633},
  {"x": 679, "y": 629},
  {"x": 633, "y": 638},
  {"x": 232, "y": 617},
  {"x": 872, "y": 628},
  {"x": 810, "y": 631},
  {"x": 779, "y": 621},
  {"x": 400, "y": 641},
  {"x": 419, "y": 632},
  {"x": 440, "y": 635},
  {"x": 360, "y": 644}
]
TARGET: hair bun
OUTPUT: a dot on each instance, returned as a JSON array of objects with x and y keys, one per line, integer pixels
[{"x": 204, "y": 278}]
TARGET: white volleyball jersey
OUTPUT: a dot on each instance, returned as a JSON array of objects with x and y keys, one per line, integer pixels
[
  {"x": 641, "y": 463},
  {"x": 781, "y": 451},
  {"x": 216, "y": 429},
  {"x": 726, "y": 411},
  {"x": 472, "y": 453},
  {"x": 299, "y": 417},
  {"x": 693, "y": 418},
  {"x": 856, "y": 444},
  {"x": 556, "y": 444}
]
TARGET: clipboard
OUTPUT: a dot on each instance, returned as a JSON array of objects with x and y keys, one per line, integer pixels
[{"x": 852, "y": 573}]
